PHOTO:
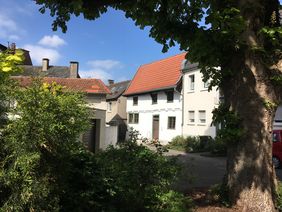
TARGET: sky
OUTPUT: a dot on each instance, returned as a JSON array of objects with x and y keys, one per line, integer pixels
[{"x": 111, "y": 47}]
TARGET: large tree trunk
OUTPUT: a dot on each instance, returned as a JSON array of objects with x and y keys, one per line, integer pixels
[{"x": 251, "y": 178}]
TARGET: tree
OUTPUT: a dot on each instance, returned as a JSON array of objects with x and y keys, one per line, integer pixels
[
  {"x": 40, "y": 149},
  {"x": 243, "y": 38}
]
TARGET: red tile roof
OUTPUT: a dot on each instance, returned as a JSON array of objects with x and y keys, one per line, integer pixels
[
  {"x": 157, "y": 75},
  {"x": 73, "y": 84}
]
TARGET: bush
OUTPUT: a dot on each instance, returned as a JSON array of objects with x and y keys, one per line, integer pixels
[
  {"x": 191, "y": 143},
  {"x": 279, "y": 196},
  {"x": 138, "y": 179},
  {"x": 218, "y": 147}
]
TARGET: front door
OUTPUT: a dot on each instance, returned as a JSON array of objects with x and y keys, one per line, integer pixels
[{"x": 156, "y": 120}]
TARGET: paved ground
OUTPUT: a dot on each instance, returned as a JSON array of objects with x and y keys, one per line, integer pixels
[{"x": 201, "y": 171}]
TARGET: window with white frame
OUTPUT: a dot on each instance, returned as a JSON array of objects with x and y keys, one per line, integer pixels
[
  {"x": 171, "y": 122},
  {"x": 133, "y": 118},
  {"x": 192, "y": 82},
  {"x": 202, "y": 116},
  {"x": 206, "y": 84},
  {"x": 135, "y": 100},
  {"x": 191, "y": 116}
]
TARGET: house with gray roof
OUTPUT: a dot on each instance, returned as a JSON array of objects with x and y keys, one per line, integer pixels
[
  {"x": 116, "y": 107},
  {"x": 47, "y": 70}
]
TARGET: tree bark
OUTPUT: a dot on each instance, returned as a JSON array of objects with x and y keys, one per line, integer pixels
[{"x": 251, "y": 177}]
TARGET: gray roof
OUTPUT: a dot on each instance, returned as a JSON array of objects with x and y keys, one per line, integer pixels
[
  {"x": 188, "y": 66},
  {"x": 53, "y": 71},
  {"x": 117, "y": 89}
]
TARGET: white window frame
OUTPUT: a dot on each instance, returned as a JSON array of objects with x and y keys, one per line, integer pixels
[
  {"x": 190, "y": 112},
  {"x": 191, "y": 83},
  {"x": 202, "y": 117}
]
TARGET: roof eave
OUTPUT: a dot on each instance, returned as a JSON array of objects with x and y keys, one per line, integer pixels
[{"x": 150, "y": 91}]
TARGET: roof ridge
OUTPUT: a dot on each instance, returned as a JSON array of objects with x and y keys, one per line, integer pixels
[
  {"x": 155, "y": 61},
  {"x": 120, "y": 82}
]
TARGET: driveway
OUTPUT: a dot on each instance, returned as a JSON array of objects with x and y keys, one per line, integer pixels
[{"x": 201, "y": 171}]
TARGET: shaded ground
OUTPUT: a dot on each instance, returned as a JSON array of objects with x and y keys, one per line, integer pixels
[{"x": 199, "y": 173}]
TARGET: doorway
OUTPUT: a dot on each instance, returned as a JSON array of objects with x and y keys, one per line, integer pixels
[{"x": 156, "y": 120}]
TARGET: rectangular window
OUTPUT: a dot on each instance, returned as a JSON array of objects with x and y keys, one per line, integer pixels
[
  {"x": 171, "y": 122},
  {"x": 154, "y": 97},
  {"x": 191, "y": 116},
  {"x": 135, "y": 100},
  {"x": 133, "y": 118},
  {"x": 136, "y": 118},
  {"x": 206, "y": 84},
  {"x": 191, "y": 82},
  {"x": 170, "y": 96},
  {"x": 202, "y": 116},
  {"x": 130, "y": 119}
]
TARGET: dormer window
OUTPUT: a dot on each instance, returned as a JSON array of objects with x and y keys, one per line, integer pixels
[
  {"x": 154, "y": 97},
  {"x": 135, "y": 100}
]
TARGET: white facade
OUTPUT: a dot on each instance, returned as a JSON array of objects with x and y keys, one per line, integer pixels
[
  {"x": 198, "y": 104},
  {"x": 164, "y": 109}
]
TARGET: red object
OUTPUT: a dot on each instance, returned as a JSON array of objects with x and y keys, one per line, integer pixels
[
  {"x": 73, "y": 84},
  {"x": 157, "y": 75},
  {"x": 277, "y": 146}
]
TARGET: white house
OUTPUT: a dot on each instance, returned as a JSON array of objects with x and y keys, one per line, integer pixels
[
  {"x": 154, "y": 101},
  {"x": 198, "y": 102}
]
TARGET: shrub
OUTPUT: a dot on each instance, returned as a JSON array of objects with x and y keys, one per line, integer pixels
[
  {"x": 191, "y": 143},
  {"x": 279, "y": 196},
  {"x": 218, "y": 147}
]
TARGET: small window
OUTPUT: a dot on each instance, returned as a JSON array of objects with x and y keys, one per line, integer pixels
[
  {"x": 154, "y": 97},
  {"x": 135, "y": 100},
  {"x": 206, "y": 84},
  {"x": 191, "y": 82},
  {"x": 109, "y": 106},
  {"x": 202, "y": 116},
  {"x": 171, "y": 123},
  {"x": 191, "y": 116},
  {"x": 170, "y": 96},
  {"x": 130, "y": 118},
  {"x": 136, "y": 118},
  {"x": 133, "y": 118}
]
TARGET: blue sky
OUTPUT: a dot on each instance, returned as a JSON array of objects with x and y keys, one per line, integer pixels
[{"x": 111, "y": 47}]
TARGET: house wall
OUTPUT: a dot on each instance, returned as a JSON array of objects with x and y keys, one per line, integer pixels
[
  {"x": 147, "y": 110},
  {"x": 97, "y": 101},
  {"x": 118, "y": 107},
  {"x": 199, "y": 99}
]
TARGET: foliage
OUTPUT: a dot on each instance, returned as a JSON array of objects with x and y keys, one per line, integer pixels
[
  {"x": 37, "y": 148},
  {"x": 138, "y": 179},
  {"x": 220, "y": 193},
  {"x": 218, "y": 147},
  {"x": 231, "y": 130},
  {"x": 8, "y": 65},
  {"x": 191, "y": 143},
  {"x": 279, "y": 196}
]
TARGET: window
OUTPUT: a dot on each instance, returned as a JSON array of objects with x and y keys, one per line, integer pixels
[
  {"x": 135, "y": 100},
  {"x": 191, "y": 82},
  {"x": 191, "y": 116},
  {"x": 154, "y": 97},
  {"x": 109, "y": 106},
  {"x": 202, "y": 116},
  {"x": 171, "y": 123},
  {"x": 206, "y": 84},
  {"x": 169, "y": 96},
  {"x": 133, "y": 118}
]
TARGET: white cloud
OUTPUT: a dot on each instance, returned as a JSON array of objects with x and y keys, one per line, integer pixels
[
  {"x": 101, "y": 69},
  {"x": 9, "y": 28},
  {"x": 95, "y": 73},
  {"x": 39, "y": 52},
  {"x": 52, "y": 41},
  {"x": 105, "y": 64}
]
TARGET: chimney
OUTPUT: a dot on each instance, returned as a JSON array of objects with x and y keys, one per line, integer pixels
[
  {"x": 45, "y": 64},
  {"x": 13, "y": 47},
  {"x": 110, "y": 81},
  {"x": 73, "y": 69}
]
